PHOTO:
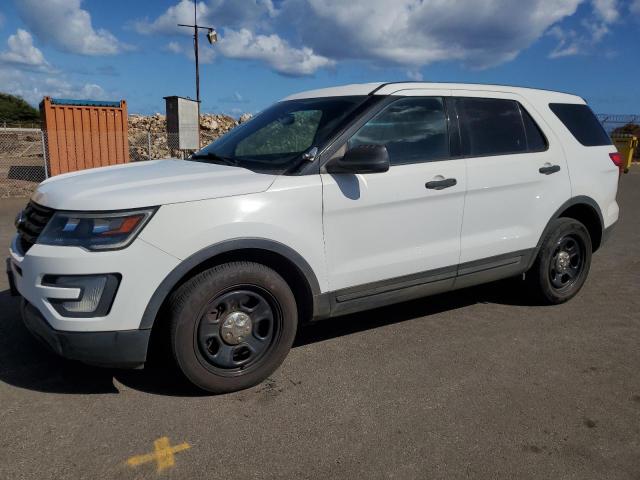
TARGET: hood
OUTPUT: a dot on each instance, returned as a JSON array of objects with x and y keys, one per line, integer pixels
[{"x": 147, "y": 183}]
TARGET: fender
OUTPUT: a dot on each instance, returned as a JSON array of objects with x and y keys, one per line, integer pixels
[
  {"x": 211, "y": 251},
  {"x": 579, "y": 200}
]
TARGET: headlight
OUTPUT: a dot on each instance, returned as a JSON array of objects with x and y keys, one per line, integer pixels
[{"x": 95, "y": 231}]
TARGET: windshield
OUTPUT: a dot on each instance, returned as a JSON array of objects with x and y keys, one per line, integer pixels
[{"x": 275, "y": 139}]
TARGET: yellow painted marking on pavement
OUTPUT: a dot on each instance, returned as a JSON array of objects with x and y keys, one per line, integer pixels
[{"x": 163, "y": 454}]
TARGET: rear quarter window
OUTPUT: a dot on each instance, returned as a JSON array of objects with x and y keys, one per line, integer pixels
[{"x": 582, "y": 123}]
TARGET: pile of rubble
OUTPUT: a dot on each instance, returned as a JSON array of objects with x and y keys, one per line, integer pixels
[{"x": 152, "y": 129}]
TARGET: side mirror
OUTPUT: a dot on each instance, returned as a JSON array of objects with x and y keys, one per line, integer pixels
[{"x": 361, "y": 159}]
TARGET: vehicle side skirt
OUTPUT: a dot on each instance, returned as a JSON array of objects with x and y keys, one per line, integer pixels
[{"x": 409, "y": 287}]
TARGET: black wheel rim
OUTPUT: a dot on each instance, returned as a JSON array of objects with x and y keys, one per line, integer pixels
[
  {"x": 237, "y": 329},
  {"x": 567, "y": 262}
]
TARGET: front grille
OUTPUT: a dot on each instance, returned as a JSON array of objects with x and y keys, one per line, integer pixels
[{"x": 34, "y": 218}]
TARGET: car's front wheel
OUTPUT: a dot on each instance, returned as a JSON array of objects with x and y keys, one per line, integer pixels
[
  {"x": 563, "y": 262},
  {"x": 232, "y": 325}
]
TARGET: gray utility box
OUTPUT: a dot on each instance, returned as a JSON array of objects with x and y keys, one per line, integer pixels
[{"x": 182, "y": 123}]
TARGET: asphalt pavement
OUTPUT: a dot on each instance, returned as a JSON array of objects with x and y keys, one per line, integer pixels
[{"x": 476, "y": 384}]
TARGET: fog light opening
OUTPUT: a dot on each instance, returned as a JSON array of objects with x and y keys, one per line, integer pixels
[{"x": 97, "y": 293}]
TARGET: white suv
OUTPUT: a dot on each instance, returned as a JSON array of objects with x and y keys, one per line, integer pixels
[{"x": 329, "y": 202}]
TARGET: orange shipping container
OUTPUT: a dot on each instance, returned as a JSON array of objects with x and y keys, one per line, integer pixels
[{"x": 83, "y": 134}]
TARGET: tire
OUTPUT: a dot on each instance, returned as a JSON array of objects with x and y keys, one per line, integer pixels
[
  {"x": 563, "y": 262},
  {"x": 232, "y": 326}
]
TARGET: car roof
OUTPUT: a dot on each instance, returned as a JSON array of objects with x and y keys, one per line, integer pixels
[{"x": 390, "y": 88}]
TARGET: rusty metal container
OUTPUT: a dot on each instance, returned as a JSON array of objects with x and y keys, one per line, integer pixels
[{"x": 82, "y": 134}]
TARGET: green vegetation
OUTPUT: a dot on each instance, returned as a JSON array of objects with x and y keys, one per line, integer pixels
[{"x": 15, "y": 110}]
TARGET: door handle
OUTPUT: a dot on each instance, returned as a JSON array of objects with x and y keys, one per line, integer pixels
[
  {"x": 441, "y": 184},
  {"x": 548, "y": 169}
]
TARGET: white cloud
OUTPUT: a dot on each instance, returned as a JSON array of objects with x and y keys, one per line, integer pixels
[
  {"x": 635, "y": 7},
  {"x": 238, "y": 40},
  {"x": 173, "y": 47},
  {"x": 234, "y": 98},
  {"x": 568, "y": 43},
  {"x": 205, "y": 53},
  {"x": 169, "y": 20},
  {"x": 33, "y": 87},
  {"x": 68, "y": 27},
  {"x": 415, "y": 75},
  {"x": 217, "y": 13},
  {"x": 607, "y": 10},
  {"x": 592, "y": 31},
  {"x": 413, "y": 33},
  {"x": 298, "y": 37},
  {"x": 22, "y": 53},
  {"x": 273, "y": 50}
]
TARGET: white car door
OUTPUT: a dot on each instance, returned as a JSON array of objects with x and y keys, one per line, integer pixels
[
  {"x": 401, "y": 228},
  {"x": 516, "y": 175}
]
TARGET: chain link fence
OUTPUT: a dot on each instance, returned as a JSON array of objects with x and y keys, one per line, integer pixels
[
  {"x": 622, "y": 129},
  {"x": 156, "y": 146},
  {"x": 622, "y": 124},
  {"x": 22, "y": 161}
]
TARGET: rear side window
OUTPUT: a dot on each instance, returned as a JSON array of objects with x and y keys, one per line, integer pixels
[
  {"x": 490, "y": 126},
  {"x": 413, "y": 129},
  {"x": 582, "y": 123}
]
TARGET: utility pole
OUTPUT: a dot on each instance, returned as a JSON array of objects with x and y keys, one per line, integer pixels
[{"x": 212, "y": 37}]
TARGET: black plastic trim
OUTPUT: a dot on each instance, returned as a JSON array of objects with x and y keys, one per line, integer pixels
[
  {"x": 119, "y": 349},
  {"x": 424, "y": 84},
  {"x": 394, "y": 284},
  {"x": 106, "y": 300},
  {"x": 606, "y": 234},
  {"x": 494, "y": 268},
  {"x": 578, "y": 200},
  {"x": 12, "y": 283},
  {"x": 207, "y": 253},
  {"x": 431, "y": 282}
]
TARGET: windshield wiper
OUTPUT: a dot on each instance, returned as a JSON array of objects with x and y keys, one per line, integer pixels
[{"x": 214, "y": 157}]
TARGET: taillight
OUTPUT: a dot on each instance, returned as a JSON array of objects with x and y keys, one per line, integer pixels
[{"x": 616, "y": 158}]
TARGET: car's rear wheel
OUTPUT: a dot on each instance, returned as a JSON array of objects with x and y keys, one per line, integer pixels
[
  {"x": 232, "y": 325},
  {"x": 563, "y": 262}
]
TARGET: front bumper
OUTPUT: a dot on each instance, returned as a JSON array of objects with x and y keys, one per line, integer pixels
[
  {"x": 142, "y": 268},
  {"x": 120, "y": 349}
]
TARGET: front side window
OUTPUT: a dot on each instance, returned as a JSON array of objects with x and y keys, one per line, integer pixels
[
  {"x": 413, "y": 129},
  {"x": 275, "y": 139},
  {"x": 490, "y": 126}
]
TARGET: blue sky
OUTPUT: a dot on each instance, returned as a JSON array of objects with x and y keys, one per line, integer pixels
[{"x": 269, "y": 49}]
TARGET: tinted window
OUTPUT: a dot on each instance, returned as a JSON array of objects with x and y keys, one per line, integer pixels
[
  {"x": 536, "y": 141},
  {"x": 413, "y": 129},
  {"x": 582, "y": 124},
  {"x": 490, "y": 126}
]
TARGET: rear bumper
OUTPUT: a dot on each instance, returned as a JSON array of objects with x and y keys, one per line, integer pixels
[
  {"x": 119, "y": 349},
  {"x": 606, "y": 233}
]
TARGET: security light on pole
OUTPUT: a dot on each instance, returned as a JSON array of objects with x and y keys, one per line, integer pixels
[{"x": 212, "y": 37}]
